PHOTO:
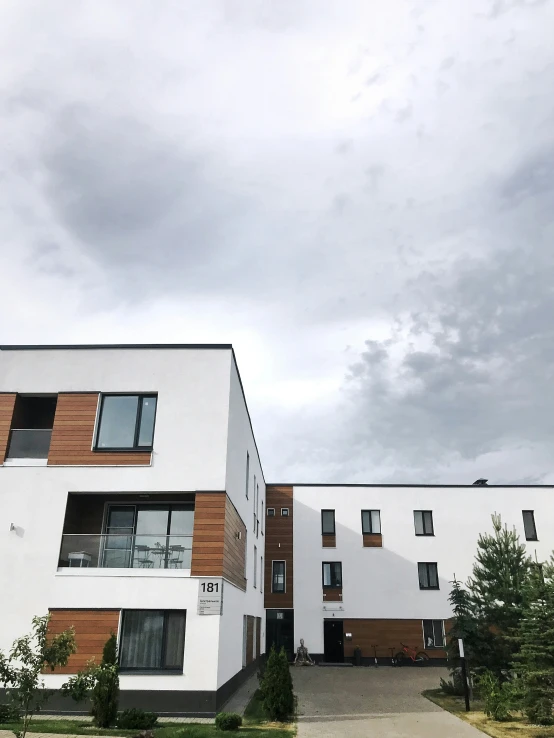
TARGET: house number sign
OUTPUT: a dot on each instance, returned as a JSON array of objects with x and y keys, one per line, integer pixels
[{"x": 210, "y": 596}]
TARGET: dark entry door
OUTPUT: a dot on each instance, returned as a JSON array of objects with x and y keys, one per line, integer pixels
[{"x": 333, "y": 641}]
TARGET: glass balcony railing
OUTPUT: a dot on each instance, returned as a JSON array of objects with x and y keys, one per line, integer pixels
[
  {"x": 31, "y": 443},
  {"x": 125, "y": 551}
]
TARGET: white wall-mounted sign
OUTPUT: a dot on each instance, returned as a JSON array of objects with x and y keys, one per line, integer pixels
[{"x": 210, "y": 596}]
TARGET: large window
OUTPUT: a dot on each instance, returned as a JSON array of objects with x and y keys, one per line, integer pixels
[
  {"x": 247, "y": 472},
  {"x": 371, "y": 521},
  {"x": 529, "y": 525},
  {"x": 152, "y": 640},
  {"x": 278, "y": 577},
  {"x": 433, "y": 634},
  {"x": 255, "y": 566},
  {"x": 332, "y": 574},
  {"x": 423, "y": 521},
  {"x": 328, "y": 522},
  {"x": 428, "y": 575},
  {"x": 126, "y": 422}
]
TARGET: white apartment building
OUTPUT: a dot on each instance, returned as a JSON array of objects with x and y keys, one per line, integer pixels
[{"x": 131, "y": 501}]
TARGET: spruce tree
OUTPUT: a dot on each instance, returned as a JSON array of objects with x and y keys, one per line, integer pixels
[
  {"x": 535, "y": 658},
  {"x": 497, "y": 593},
  {"x": 276, "y": 686}
]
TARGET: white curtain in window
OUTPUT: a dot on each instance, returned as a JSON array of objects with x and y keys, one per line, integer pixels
[{"x": 141, "y": 641}]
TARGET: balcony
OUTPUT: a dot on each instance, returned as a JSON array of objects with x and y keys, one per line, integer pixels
[
  {"x": 125, "y": 551},
  {"x": 29, "y": 443}
]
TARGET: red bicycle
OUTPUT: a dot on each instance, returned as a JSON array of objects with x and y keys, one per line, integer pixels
[{"x": 417, "y": 657}]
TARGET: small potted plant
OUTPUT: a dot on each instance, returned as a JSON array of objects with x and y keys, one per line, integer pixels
[{"x": 358, "y": 656}]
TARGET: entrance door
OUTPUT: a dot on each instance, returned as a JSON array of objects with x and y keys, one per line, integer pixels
[{"x": 333, "y": 641}]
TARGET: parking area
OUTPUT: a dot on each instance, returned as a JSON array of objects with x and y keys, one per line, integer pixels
[{"x": 381, "y": 702}]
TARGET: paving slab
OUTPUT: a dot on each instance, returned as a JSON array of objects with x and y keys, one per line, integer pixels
[{"x": 382, "y": 702}]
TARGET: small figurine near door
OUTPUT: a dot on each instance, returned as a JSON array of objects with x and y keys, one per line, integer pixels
[{"x": 303, "y": 658}]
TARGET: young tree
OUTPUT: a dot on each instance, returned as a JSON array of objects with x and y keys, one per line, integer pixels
[
  {"x": 535, "y": 658},
  {"x": 497, "y": 594},
  {"x": 21, "y": 670},
  {"x": 102, "y": 682},
  {"x": 276, "y": 686}
]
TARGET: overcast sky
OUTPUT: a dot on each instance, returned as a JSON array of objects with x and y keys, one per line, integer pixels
[{"x": 358, "y": 195}]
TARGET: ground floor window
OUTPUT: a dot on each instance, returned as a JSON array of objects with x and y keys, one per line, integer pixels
[
  {"x": 433, "y": 633},
  {"x": 152, "y": 640}
]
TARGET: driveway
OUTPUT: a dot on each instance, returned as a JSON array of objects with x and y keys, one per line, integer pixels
[{"x": 378, "y": 702}]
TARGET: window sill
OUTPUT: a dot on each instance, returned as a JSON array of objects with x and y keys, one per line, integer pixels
[
  {"x": 532, "y": 540},
  {"x": 142, "y": 450},
  {"x": 427, "y": 589},
  {"x": 425, "y": 535},
  {"x": 150, "y": 672}
]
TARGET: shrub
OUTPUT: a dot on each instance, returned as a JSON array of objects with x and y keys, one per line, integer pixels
[
  {"x": 276, "y": 686},
  {"x": 9, "y": 714},
  {"x": 228, "y": 721},
  {"x": 500, "y": 697},
  {"x": 136, "y": 719}
]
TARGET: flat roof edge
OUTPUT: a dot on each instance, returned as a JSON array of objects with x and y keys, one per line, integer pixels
[
  {"x": 373, "y": 484},
  {"x": 94, "y": 346}
]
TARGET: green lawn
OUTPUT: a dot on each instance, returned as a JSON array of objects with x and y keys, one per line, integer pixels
[{"x": 517, "y": 727}]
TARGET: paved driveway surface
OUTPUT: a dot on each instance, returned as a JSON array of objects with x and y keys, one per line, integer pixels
[{"x": 378, "y": 702}]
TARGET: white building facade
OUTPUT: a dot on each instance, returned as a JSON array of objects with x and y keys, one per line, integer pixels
[{"x": 131, "y": 501}]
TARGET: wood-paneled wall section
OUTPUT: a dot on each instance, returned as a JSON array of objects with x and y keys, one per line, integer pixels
[
  {"x": 7, "y": 404},
  {"x": 219, "y": 539},
  {"x": 249, "y": 639},
  {"x": 328, "y": 540},
  {"x": 279, "y": 545},
  {"x": 258, "y": 634},
  {"x": 387, "y": 634},
  {"x": 92, "y": 630},
  {"x": 373, "y": 540},
  {"x": 332, "y": 594},
  {"x": 72, "y": 436}
]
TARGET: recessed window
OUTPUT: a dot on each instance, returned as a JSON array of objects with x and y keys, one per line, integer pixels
[
  {"x": 278, "y": 577},
  {"x": 428, "y": 575},
  {"x": 332, "y": 574},
  {"x": 529, "y": 525},
  {"x": 261, "y": 574},
  {"x": 126, "y": 422},
  {"x": 247, "y": 472},
  {"x": 152, "y": 640},
  {"x": 433, "y": 634},
  {"x": 285, "y": 512},
  {"x": 328, "y": 522},
  {"x": 371, "y": 522},
  {"x": 270, "y": 512},
  {"x": 255, "y": 566},
  {"x": 423, "y": 521}
]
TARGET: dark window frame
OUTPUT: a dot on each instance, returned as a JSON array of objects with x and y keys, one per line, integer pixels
[
  {"x": 155, "y": 669},
  {"x": 531, "y": 513},
  {"x": 278, "y": 591},
  {"x": 285, "y": 514},
  {"x": 370, "y": 532},
  {"x": 427, "y": 564},
  {"x": 141, "y": 396},
  {"x": 442, "y": 646},
  {"x": 270, "y": 512},
  {"x": 425, "y": 532},
  {"x": 328, "y": 533},
  {"x": 332, "y": 572}
]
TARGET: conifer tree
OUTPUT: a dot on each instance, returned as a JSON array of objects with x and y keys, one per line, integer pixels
[
  {"x": 535, "y": 658},
  {"x": 276, "y": 686}
]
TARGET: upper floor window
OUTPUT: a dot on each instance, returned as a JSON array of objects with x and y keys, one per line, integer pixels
[
  {"x": 529, "y": 525},
  {"x": 428, "y": 575},
  {"x": 423, "y": 521},
  {"x": 278, "y": 576},
  {"x": 285, "y": 512},
  {"x": 255, "y": 566},
  {"x": 328, "y": 522},
  {"x": 247, "y": 472},
  {"x": 126, "y": 422},
  {"x": 371, "y": 521},
  {"x": 332, "y": 574},
  {"x": 270, "y": 512}
]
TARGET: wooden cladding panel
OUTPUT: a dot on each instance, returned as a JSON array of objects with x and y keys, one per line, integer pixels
[
  {"x": 217, "y": 549},
  {"x": 72, "y": 436},
  {"x": 373, "y": 540},
  {"x": 387, "y": 634},
  {"x": 92, "y": 630},
  {"x": 249, "y": 639},
  {"x": 234, "y": 546},
  {"x": 332, "y": 595},
  {"x": 329, "y": 541},
  {"x": 258, "y": 634},
  {"x": 279, "y": 545},
  {"x": 7, "y": 404}
]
